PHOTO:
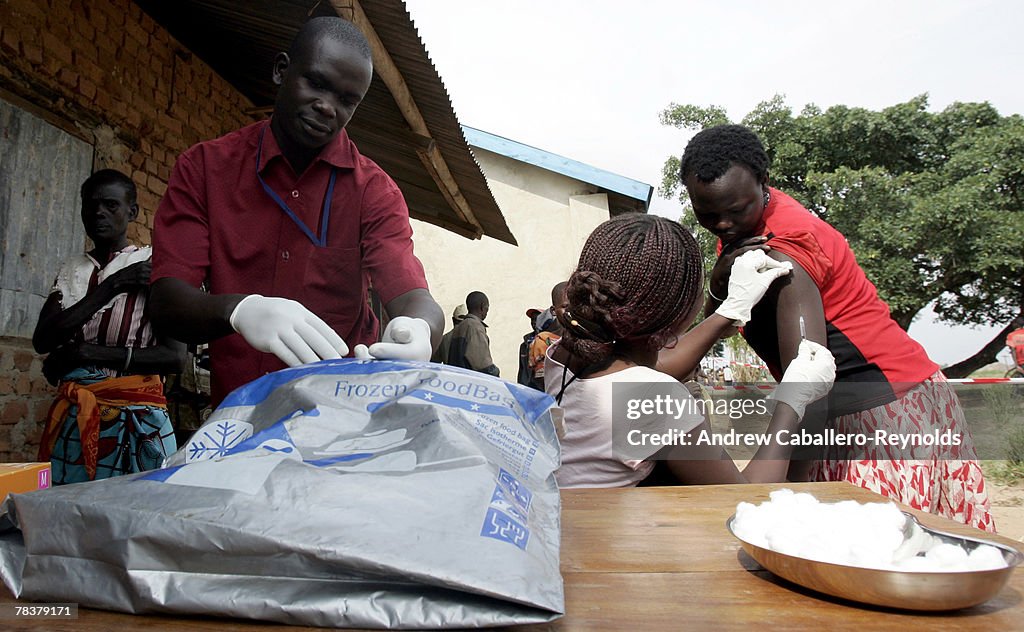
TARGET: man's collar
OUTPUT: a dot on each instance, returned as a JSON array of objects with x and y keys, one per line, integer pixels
[
  {"x": 476, "y": 317},
  {"x": 340, "y": 152},
  {"x": 130, "y": 248}
]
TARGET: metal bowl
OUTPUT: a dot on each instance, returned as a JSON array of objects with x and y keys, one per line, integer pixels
[{"x": 895, "y": 589}]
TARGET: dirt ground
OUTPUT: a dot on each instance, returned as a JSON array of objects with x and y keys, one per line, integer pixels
[{"x": 1008, "y": 509}]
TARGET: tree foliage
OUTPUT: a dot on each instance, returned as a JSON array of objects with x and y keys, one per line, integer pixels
[{"x": 932, "y": 203}]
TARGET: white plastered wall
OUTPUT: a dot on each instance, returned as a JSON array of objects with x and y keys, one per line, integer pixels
[{"x": 550, "y": 215}]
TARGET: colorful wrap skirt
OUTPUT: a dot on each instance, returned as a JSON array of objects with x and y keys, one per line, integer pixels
[
  {"x": 948, "y": 482},
  {"x": 101, "y": 426}
]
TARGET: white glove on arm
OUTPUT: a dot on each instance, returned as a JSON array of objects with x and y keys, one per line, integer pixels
[
  {"x": 751, "y": 275},
  {"x": 809, "y": 378},
  {"x": 287, "y": 329},
  {"x": 404, "y": 338}
]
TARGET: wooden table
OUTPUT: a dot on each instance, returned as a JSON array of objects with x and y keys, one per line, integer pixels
[{"x": 661, "y": 558}]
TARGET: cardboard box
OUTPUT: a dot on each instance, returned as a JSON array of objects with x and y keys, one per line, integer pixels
[{"x": 18, "y": 478}]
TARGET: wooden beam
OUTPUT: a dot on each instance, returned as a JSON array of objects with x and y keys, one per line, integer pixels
[
  {"x": 259, "y": 111},
  {"x": 392, "y": 137},
  {"x": 463, "y": 230},
  {"x": 426, "y": 149}
]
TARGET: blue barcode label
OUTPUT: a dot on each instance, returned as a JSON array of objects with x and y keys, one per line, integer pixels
[
  {"x": 516, "y": 490},
  {"x": 509, "y": 510},
  {"x": 501, "y": 526}
]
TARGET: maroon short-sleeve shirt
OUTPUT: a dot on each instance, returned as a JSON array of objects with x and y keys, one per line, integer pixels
[{"x": 216, "y": 223}]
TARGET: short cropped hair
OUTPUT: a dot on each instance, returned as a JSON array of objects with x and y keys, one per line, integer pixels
[
  {"x": 711, "y": 152},
  {"x": 104, "y": 177},
  {"x": 557, "y": 292},
  {"x": 335, "y": 28},
  {"x": 475, "y": 300}
]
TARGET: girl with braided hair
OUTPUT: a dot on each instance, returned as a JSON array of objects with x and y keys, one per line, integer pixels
[{"x": 636, "y": 290}]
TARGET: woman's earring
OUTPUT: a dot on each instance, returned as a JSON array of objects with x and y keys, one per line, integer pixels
[{"x": 767, "y": 198}]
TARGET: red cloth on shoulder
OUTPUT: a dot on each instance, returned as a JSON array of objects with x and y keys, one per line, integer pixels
[{"x": 862, "y": 333}]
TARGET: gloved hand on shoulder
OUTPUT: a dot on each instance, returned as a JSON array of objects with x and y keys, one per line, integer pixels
[
  {"x": 286, "y": 329},
  {"x": 752, "y": 274}
]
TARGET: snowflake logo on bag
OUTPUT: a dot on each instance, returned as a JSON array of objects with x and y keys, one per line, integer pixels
[{"x": 216, "y": 440}]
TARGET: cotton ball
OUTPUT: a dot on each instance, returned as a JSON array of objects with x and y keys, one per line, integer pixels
[
  {"x": 781, "y": 495},
  {"x": 749, "y": 524},
  {"x": 853, "y": 534},
  {"x": 746, "y": 516},
  {"x": 745, "y": 509},
  {"x": 804, "y": 500},
  {"x": 919, "y": 542},
  {"x": 788, "y": 543},
  {"x": 947, "y": 555},
  {"x": 871, "y": 554},
  {"x": 985, "y": 558},
  {"x": 846, "y": 514}
]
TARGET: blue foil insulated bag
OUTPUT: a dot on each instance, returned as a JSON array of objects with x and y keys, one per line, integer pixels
[{"x": 344, "y": 493}]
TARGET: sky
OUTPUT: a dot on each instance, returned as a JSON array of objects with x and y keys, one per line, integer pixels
[{"x": 586, "y": 79}]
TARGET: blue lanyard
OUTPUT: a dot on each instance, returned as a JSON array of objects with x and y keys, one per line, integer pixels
[{"x": 325, "y": 214}]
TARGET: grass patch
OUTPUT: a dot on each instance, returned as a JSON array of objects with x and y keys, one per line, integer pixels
[
  {"x": 1004, "y": 472},
  {"x": 1015, "y": 447},
  {"x": 1002, "y": 403},
  {"x": 991, "y": 372}
]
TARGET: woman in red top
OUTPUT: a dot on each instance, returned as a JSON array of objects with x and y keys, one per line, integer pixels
[
  {"x": 887, "y": 390},
  {"x": 1015, "y": 341}
]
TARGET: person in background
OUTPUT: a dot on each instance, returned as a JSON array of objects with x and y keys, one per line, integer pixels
[
  {"x": 290, "y": 225},
  {"x": 637, "y": 288},
  {"x": 525, "y": 375},
  {"x": 885, "y": 379},
  {"x": 441, "y": 353},
  {"x": 110, "y": 416},
  {"x": 549, "y": 333},
  {"x": 1015, "y": 341},
  {"x": 470, "y": 346}
]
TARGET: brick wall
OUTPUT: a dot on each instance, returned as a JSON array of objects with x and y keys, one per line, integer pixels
[
  {"x": 104, "y": 71},
  {"x": 25, "y": 397}
]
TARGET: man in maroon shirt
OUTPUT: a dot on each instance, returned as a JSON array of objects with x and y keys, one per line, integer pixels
[{"x": 288, "y": 225}]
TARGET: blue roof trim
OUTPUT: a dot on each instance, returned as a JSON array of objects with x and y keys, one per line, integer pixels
[{"x": 559, "y": 164}]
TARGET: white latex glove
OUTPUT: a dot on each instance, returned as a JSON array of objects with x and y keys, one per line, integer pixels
[
  {"x": 404, "y": 339},
  {"x": 751, "y": 275},
  {"x": 808, "y": 378},
  {"x": 287, "y": 329}
]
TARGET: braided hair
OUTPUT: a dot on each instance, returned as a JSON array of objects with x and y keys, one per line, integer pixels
[
  {"x": 638, "y": 277},
  {"x": 711, "y": 152}
]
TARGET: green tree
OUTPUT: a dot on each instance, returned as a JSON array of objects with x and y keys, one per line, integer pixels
[{"x": 932, "y": 203}]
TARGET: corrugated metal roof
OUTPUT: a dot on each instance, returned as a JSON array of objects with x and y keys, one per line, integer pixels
[
  {"x": 637, "y": 194},
  {"x": 239, "y": 39}
]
